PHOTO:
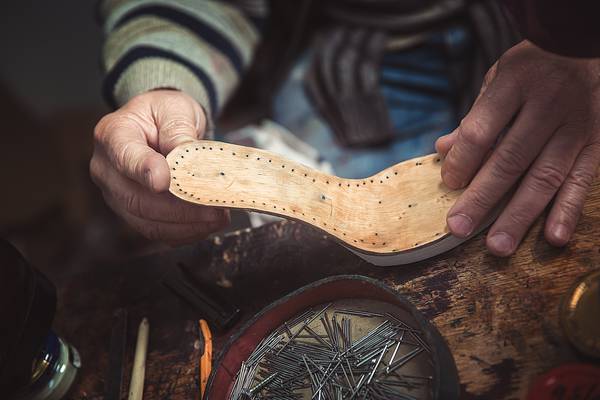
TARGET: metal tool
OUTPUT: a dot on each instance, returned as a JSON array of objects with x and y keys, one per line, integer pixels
[
  {"x": 116, "y": 356},
  {"x": 208, "y": 304}
]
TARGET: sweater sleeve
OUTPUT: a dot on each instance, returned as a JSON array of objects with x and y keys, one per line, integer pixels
[{"x": 200, "y": 47}]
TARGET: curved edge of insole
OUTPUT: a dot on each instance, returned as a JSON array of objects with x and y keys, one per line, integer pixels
[{"x": 431, "y": 250}]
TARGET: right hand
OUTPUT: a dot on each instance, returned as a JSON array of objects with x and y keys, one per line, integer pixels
[
  {"x": 534, "y": 128},
  {"x": 129, "y": 166}
]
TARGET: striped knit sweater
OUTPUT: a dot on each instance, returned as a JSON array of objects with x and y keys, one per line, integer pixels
[{"x": 200, "y": 47}]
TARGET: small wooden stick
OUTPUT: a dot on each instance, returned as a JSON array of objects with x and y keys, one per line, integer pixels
[{"x": 136, "y": 386}]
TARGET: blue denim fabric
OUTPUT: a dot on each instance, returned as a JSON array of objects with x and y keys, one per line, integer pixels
[{"x": 418, "y": 91}]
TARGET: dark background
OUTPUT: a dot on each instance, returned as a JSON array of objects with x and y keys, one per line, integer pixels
[
  {"x": 50, "y": 80},
  {"x": 51, "y": 55}
]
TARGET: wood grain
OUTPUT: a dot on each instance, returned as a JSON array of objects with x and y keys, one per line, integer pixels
[
  {"x": 401, "y": 208},
  {"x": 499, "y": 316}
]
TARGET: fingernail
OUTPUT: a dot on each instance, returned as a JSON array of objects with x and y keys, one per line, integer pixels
[
  {"x": 460, "y": 225},
  {"x": 501, "y": 243},
  {"x": 148, "y": 178},
  {"x": 561, "y": 233}
]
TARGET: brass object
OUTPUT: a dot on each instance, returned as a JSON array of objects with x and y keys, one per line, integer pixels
[
  {"x": 580, "y": 314},
  {"x": 39, "y": 368}
]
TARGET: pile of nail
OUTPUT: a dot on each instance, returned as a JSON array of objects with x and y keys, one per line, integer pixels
[{"x": 315, "y": 356}]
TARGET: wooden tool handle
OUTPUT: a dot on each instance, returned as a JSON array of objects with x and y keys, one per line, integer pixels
[
  {"x": 138, "y": 372},
  {"x": 396, "y": 210}
]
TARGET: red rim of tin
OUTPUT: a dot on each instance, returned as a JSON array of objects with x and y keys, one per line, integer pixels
[{"x": 241, "y": 345}]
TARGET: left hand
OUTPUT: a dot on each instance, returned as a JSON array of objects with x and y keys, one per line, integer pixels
[
  {"x": 549, "y": 108},
  {"x": 129, "y": 166}
]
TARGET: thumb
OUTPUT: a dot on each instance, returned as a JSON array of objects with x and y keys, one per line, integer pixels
[
  {"x": 179, "y": 119},
  {"x": 444, "y": 143}
]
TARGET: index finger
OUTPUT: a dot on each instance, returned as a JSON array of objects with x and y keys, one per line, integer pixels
[
  {"x": 123, "y": 141},
  {"x": 479, "y": 130}
]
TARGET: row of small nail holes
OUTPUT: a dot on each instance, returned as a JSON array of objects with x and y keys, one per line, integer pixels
[{"x": 418, "y": 163}]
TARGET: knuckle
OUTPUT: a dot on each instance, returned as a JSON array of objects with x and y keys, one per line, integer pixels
[
  {"x": 176, "y": 100},
  {"x": 133, "y": 204},
  {"x": 453, "y": 174},
  {"x": 100, "y": 130},
  {"x": 520, "y": 217},
  {"x": 558, "y": 76},
  {"x": 571, "y": 207},
  {"x": 491, "y": 74},
  {"x": 506, "y": 59},
  {"x": 582, "y": 178},
  {"x": 481, "y": 200},
  {"x": 154, "y": 232},
  {"x": 178, "y": 126},
  {"x": 94, "y": 169},
  {"x": 140, "y": 101},
  {"x": 122, "y": 158},
  {"x": 472, "y": 133},
  {"x": 554, "y": 94},
  {"x": 550, "y": 103},
  {"x": 546, "y": 178},
  {"x": 104, "y": 135},
  {"x": 508, "y": 162}
]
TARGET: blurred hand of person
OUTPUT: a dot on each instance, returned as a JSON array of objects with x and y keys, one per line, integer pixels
[
  {"x": 129, "y": 166},
  {"x": 532, "y": 136}
]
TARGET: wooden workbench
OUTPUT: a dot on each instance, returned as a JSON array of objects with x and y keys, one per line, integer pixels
[{"x": 499, "y": 316}]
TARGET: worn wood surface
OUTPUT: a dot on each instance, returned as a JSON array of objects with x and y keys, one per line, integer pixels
[
  {"x": 401, "y": 208},
  {"x": 499, "y": 316}
]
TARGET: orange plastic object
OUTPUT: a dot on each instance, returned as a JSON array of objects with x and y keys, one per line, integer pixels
[{"x": 206, "y": 358}]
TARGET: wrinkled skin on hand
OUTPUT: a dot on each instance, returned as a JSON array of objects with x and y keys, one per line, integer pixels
[
  {"x": 129, "y": 166},
  {"x": 533, "y": 137}
]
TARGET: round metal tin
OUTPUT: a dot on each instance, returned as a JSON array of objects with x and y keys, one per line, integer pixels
[
  {"x": 345, "y": 287},
  {"x": 579, "y": 314}
]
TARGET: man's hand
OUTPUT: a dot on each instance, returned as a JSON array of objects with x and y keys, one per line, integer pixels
[
  {"x": 129, "y": 166},
  {"x": 535, "y": 127}
]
